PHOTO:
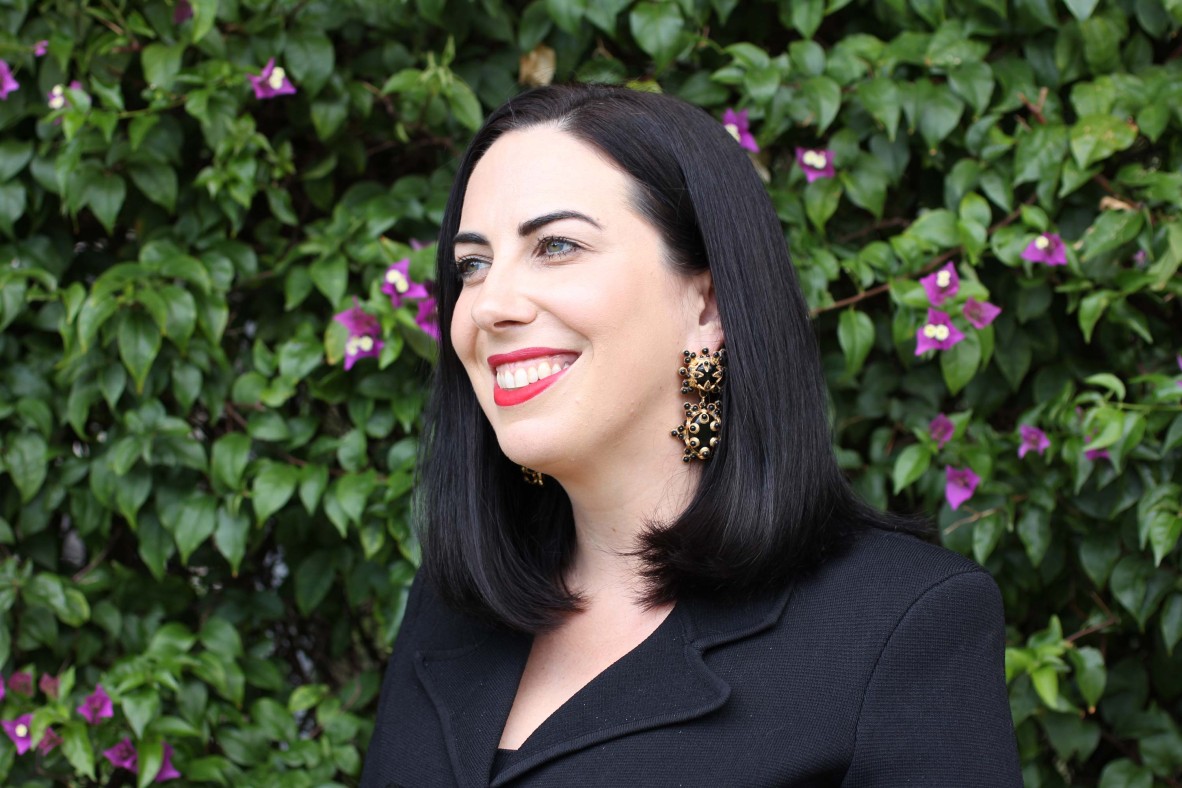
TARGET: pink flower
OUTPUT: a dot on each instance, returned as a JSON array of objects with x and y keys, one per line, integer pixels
[
  {"x": 816, "y": 163},
  {"x": 1047, "y": 249},
  {"x": 182, "y": 11},
  {"x": 123, "y": 756},
  {"x": 167, "y": 770},
  {"x": 942, "y": 284},
  {"x": 736, "y": 125},
  {"x": 397, "y": 284},
  {"x": 941, "y": 429},
  {"x": 57, "y": 95},
  {"x": 8, "y": 82},
  {"x": 1033, "y": 439},
  {"x": 959, "y": 485},
  {"x": 271, "y": 82},
  {"x": 1095, "y": 454},
  {"x": 48, "y": 741},
  {"x": 428, "y": 319},
  {"x": 980, "y": 313},
  {"x": 49, "y": 685},
  {"x": 96, "y": 706},
  {"x": 20, "y": 731},
  {"x": 937, "y": 333},
  {"x": 363, "y": 330},
  {"x": 21, "y": 684},
  {"x": 2, "y": 690},
  {"x": 41, "y": 48}
]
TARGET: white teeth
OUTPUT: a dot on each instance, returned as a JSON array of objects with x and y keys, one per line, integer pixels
[{"x": 509, "y": 379}]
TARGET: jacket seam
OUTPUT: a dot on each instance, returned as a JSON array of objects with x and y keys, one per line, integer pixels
[{"x": 887, "y": 642}]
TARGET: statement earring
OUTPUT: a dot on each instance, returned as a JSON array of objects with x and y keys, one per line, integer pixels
[
  {"x": 702, "y": 374},
  {"x": 531, "y": 476}
]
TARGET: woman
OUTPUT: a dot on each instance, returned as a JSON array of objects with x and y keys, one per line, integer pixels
[{"x": 692, "y": 595}]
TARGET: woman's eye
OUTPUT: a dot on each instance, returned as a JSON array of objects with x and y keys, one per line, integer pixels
[
  {"x": 467, "y": 267},
  {"x": 557, "y": 247}
]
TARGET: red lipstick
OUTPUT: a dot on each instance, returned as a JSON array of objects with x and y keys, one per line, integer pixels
[{"x": 510, "y": 397}]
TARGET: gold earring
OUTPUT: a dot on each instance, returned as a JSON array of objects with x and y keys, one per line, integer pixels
[
  {"x": 531, "y": 476},
  {"x": 702, "y": 374}
]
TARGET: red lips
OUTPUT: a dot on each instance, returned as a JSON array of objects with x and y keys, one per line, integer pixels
[{"x": 509, "y": 397}]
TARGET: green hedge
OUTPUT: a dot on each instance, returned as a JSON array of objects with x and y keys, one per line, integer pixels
[{"x": 204, "y": 512}]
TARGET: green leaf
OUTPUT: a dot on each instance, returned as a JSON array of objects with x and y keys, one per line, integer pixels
[
  {"x": 76, "y": 747},
  {"x": 910, "y": 465},
  {"x": 331, "y": 276},
  {"x": 1096, "y": 137},
  {"x": 140, "y": 707},
  {"x": 820, "y": 200},
  {"x": 228, "y": 459},
  {"x": 15, "y": 154},
  {"x": 1108, "y": 381},
  {"x": 466, "y": 106},
  {"x": 973, "y": 82},
  {"x": 1123, "y": 773},
  {"x": 204, "y": 15},
  {"x": 880, "y": 97},
  {"x": 807, "y": 15},
  {"x": 105, "y": 194},
  {"x": 27, "y": 459},
  {"x": 150, "y": 758},
  {"x": 314, "y": 577},
  {"x": 1171, "y": 621},
  {"x": 1039, "y": 154},
  {"x": 941, "y": 112},
  {"x": 657, "y": 29},
  {"x": 1090, "y": 309},
  {"x": 1090, "y": 674},
  {"x": 1081, "y": 9},
  {"x": 1164, "y": 527},
  {"x": 139, "y": 342},
  {"x": 161, "y": 63},
  {"x": 959, "y": 363},
  {"x": 824, "y": 99},
  {"x": 231, "y": 536},
  {"x": 855, "y": 334},
  {"x": 310, "y": 59},
  {"x": 272, "y": 489},
  {"x": 191, "y": 521},
  {"x": 157, "y": 182},
  {"x": 1034, "y": 529}
]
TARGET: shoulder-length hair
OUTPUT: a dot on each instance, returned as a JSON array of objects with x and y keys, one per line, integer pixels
[{"x": 771, "y": 502}]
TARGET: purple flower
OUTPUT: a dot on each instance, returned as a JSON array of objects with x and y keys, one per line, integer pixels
[
  {"x": 1033, "y": 439},
  {"x": 428, "y": 319},
  {"x": 1047, "y": 249},
  {"x": 1095, "y": 454},
  {"x": 96, "y": 706},
  {"x": 397, "y": 284},
  {"x": 48, "y": 741},
  {"x": 941, "y": 429},
  {"x": 736, "y": 124},
  {"x": 20, "y": 731},
  {"x": 942, "y": 284},
  {"x": 49, "y": 685},
  {"x": 937, "y": 333},
  {"x": 2, "y": 690},
  {"x": 123, "y": 756},
  {"x": 182, "y": 11},
  {"x": 959, "y": 485},
  {"x": 41, "y": 48},
  {"x": 8, "y": 82},
  {"x": 816, "y": 163},
  {"x": 57, "y": 96},
  {"x": 980, "y": 313},
  {"x": 271, "y": 82},
  {"x": 21, "y": 684},
  {"x": 167, "y": 770},
  {"x": 363, "y": 330}
]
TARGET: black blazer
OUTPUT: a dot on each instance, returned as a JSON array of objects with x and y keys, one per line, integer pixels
[{"x": 882, "y": 668}]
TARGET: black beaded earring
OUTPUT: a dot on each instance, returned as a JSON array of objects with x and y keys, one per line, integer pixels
[
  {"x": 702, "y": 374},
  {"x": 531, "y": 476}
]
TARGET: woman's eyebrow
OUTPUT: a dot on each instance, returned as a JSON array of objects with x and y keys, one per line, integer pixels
[{"x": 528, "y": 227}]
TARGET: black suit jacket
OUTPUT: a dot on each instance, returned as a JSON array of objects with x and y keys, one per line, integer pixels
[{"x": 882, "y": 668}]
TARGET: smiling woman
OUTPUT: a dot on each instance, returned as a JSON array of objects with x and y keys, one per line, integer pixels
[{"x": 646, "y": 617}]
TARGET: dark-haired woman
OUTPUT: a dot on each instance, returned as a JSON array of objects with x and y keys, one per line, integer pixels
[{"x": 642, "y": 566}]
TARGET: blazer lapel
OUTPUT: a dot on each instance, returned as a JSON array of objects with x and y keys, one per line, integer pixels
[
  {"x": 472, "y": 688},
  {"x": 663, "y": 681}
]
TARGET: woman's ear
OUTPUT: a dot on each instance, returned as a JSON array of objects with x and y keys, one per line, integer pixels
[{"x": 709, "y": 327}]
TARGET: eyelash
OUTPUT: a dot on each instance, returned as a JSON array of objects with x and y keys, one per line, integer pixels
[{"x": 463, "y": 273}]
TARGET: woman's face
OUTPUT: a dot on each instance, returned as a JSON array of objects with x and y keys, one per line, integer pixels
[{"x": 569, "y": 322}]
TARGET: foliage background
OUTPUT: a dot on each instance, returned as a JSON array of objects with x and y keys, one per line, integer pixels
[{"x": 203, "y": 512}]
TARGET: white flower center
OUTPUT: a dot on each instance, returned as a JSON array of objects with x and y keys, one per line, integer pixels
[
  {"x": 57, "y": 97},
  {"x": 22, "y": 731},
  {"x": 733, "y": 130},
  {"x": 1042, "y": 242},
  {"x": 814, "y": 159},
  {"x": 936, "y": 331},
  {"x": 276, "y": 78},
  {"x": 395, "y": 277},
  {"x": 357, "y": 345},
  {"x": 943, "y": 278}
]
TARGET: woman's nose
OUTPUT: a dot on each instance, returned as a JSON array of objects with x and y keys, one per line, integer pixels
[{"x": 502, "y": 299}]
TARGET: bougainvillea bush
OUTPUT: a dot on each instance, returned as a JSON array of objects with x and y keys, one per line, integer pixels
[{"x": 217, "y": 225}]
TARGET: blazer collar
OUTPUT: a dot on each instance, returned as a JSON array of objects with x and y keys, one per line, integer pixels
[{"x": 663, "y": 681}]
